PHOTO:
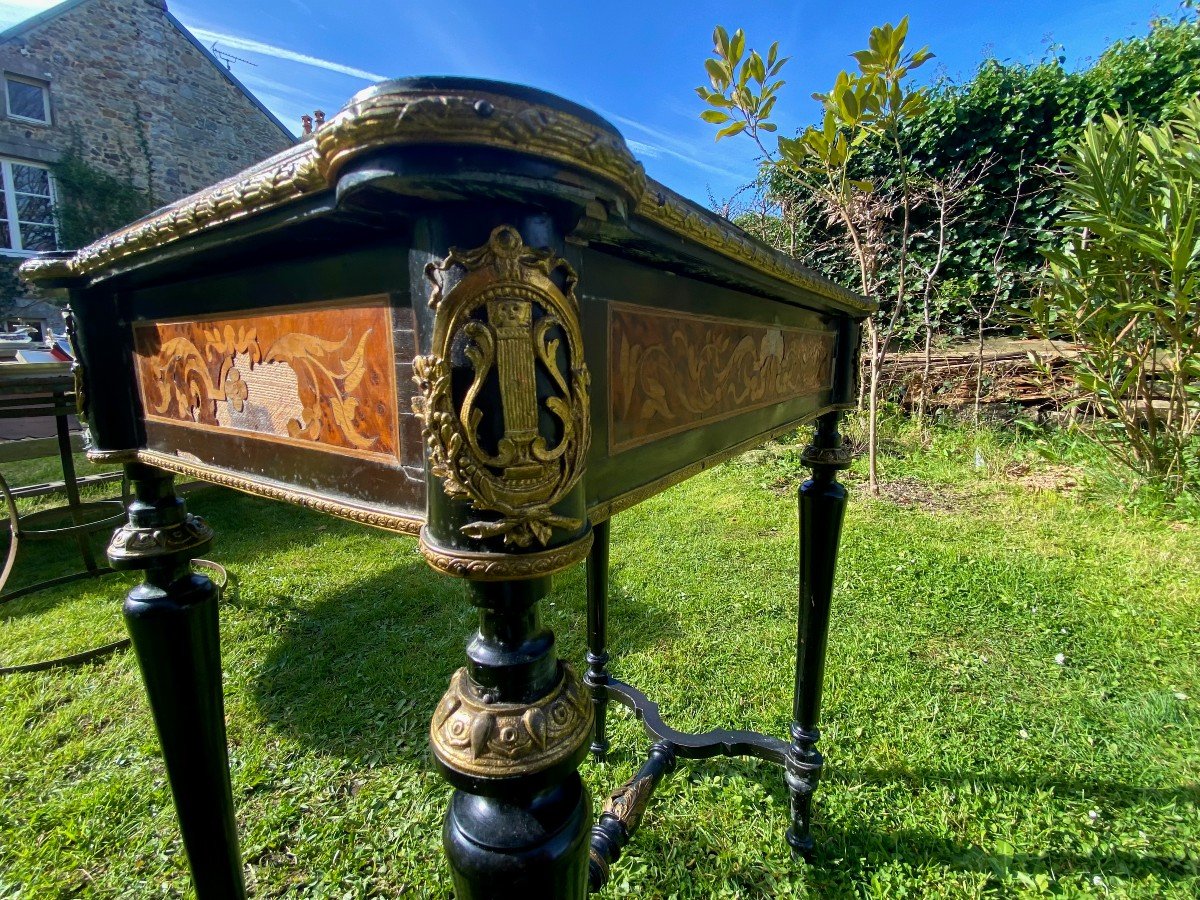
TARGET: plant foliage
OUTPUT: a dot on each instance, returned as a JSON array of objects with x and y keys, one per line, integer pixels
[
  {"x": 816, "y": 166},
  {"x": 1124, "y": 286},
  {"x": 1010, "y": 123},
  {"x": 91, "y": 203}
]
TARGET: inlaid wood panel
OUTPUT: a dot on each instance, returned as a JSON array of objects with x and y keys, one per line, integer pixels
[
  {"x": 670, "y": 372},
  {"x": 322, "y": 377}
]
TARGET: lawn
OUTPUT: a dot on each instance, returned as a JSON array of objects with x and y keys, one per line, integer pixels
[{"x": 1010, "y": 710}]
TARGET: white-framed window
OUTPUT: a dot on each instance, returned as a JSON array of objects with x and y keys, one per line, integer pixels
[
  {"x": 27, "y": 99},
  {"x": 27, "y": 204}
]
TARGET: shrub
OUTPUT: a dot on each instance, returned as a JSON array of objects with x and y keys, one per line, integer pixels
[{"x": 1124, "y": 285}]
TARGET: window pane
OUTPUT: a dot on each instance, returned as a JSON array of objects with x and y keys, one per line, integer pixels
[
  {"x": 34, "y": 209},
  {"x": 38, "y": 237},
  {"x": 26, "y": 100},
  {"x": 5, "y": 237},
  {"x": 31, "y": 179}
]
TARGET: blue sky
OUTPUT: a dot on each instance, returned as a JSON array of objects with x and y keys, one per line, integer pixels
[{"x": 634, "y": 62}]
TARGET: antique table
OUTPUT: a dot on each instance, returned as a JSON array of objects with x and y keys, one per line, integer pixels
[{"x": 461, "y": 311}]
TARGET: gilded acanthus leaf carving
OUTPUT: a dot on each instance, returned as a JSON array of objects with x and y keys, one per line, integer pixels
[{"x": 513, "y": 321}]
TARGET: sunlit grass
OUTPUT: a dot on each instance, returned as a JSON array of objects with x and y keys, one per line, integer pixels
[{"x": 1009, "y": 708}]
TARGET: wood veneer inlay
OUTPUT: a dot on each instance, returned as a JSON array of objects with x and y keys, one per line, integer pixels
[
  {"x": 670, "y": 372},
  {"x": 320, "y": 377}
]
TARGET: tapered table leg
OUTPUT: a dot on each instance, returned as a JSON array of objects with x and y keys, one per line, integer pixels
[
  {"x": 822, "y": 502},
  {"x": 597, "y": 625},
  {"x": 172, "y": 622}
]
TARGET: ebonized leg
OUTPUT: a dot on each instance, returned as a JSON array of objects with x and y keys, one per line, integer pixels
[
  {"x": 623, "y": 813},
  {"x": 822, "y": 503},
  {"x": 172, "y": 621},
  {"x": 509, "y": 736},
  {"x": 597, "y": 626}
]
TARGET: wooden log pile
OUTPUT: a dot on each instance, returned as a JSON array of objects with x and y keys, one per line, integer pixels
[{"x": 1018, "y": 373}]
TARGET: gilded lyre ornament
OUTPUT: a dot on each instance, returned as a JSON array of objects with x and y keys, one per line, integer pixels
[{"x": 513, "y": 322}]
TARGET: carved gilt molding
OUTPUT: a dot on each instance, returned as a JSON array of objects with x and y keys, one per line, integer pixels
[
  {"x": 667, "y": 209},
  {"x": 364, "y": 515},
  {"x": 435, "y": 117},
  {"x": 485, "y": 739},
  {"x": 512, "y": 321},
  {"x": 503, "y": 566},
  {"x": 477, "y": 118}
]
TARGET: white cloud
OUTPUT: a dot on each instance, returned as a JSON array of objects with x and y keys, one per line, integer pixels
[
  {"x": 669, "y": 145},
  {"x": 642, "y": 149},
  {"x": 241, "y": 43},
  {"x": 15, "y": 11}
]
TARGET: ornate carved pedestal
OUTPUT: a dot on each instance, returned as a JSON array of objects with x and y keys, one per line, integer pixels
[{"x": 505, "y": 511}]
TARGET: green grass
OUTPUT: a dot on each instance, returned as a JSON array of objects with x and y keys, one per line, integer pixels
[{"x": 962, "y": 759}]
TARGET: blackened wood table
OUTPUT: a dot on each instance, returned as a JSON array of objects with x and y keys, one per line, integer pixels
[{"x": 461, "y": 311}]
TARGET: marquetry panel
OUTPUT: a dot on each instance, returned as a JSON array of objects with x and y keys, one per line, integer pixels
[
  {"x": 670, "y": 372},
  {"x": 322, "y": 377}
]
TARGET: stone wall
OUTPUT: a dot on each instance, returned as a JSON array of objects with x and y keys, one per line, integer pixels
[{"x": 137, "y": 96}]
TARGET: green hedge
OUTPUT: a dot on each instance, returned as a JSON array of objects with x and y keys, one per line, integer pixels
[{"x": 1017, "y": 115}]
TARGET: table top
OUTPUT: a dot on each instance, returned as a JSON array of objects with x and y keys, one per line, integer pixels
[{"x": 456, "y": 299}]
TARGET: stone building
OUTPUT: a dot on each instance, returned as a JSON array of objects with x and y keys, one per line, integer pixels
[{"x": 123, "y": 86}]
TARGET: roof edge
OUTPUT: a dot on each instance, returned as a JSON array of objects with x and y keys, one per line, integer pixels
[
  {"x": 39, "y": 19},
  {"x": 46, "y": 15},
  {"x": 229, "y": 76}
]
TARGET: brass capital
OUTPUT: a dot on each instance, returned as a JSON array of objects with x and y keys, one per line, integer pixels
[
  {"x": 477, "y": 566},
  {"x": 134, "y": 548},
  {"x": 475, "y": 737},
  {"x": 828, "y": 457}
]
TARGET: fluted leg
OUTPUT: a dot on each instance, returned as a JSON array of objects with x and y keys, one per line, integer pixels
[
  {"x": 822, "y": 502},
  {"x": 172, "y": 621}
]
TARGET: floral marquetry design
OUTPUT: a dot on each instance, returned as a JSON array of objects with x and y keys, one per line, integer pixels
[
  {"x": 323, "y": 377},
  {"x": 670, "y": 372}
]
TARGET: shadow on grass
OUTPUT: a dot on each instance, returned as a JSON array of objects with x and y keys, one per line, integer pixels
[
  {"x": 247, "y": 529},
  {"x": 39, "y": 561},
  {"x": 357, "y": 672},
  {"x": 847, "y": 858}
]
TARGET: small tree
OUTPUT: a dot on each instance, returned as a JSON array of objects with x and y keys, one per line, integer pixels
[
  {"x": 873, "y": 100},
  {"x": 947, "y": 197},
  {"x": 1125, "y": 288}
]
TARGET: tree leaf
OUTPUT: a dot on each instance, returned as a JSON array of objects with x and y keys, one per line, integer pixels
[
  {"x": 717, "y": 74},
  {"x": 730, "y": 130}
]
